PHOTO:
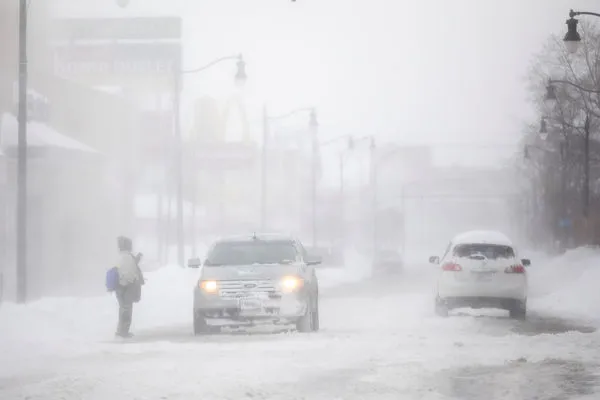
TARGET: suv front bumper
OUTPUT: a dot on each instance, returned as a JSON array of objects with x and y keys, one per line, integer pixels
[{"x": 246, "y": 307}]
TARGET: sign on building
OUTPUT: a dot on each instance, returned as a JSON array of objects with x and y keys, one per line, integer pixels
[
  {"x": 129, "y": 52},
  {"x": 114, "y": 64}
]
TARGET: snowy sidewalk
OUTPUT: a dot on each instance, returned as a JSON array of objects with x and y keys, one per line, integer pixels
[{"x": 568, "y": 285}]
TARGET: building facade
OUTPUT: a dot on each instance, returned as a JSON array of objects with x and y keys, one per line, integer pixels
[{"x": 78, "y": 201}]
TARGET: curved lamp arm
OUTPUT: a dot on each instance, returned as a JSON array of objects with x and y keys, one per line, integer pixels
[
  {"x": 210, "y": 64},
  {"x": 291, "y": 113},
  {"x": 573, "y": 14}
]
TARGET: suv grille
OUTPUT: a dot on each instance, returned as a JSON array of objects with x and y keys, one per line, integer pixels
[{"x": 233, "y": 289}]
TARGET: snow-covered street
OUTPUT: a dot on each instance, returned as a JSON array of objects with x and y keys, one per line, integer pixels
[
  {"x": 299, "y": 200},
  {"x": 379, "y": 340}
]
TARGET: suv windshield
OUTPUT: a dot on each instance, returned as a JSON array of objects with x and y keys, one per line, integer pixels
[
  {"x": 252, "y": 252},
  {"x": 489, "y": 251}
]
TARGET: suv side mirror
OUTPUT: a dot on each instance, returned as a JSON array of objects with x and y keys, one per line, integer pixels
[
  {"x": 314, "y": 260},
  {"x": 434, "y": 260},
  {"x": 194, "y": 262},
  {"x": 526, "y": 262}
]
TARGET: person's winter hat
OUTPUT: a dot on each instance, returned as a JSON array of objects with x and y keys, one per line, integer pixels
[{"x": 124, "y": 243}]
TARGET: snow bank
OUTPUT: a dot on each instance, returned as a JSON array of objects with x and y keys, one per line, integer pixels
[
  {"x": 568, "y": 285},
  {"x": 166, "y": 299}
]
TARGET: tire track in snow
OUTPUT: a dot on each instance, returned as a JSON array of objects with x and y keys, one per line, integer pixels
[{"x": 551, "y": 379}]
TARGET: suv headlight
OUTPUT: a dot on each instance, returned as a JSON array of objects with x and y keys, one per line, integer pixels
[
  {"x": 291, "y": 284},
  {"x": 208, "y": 286}
]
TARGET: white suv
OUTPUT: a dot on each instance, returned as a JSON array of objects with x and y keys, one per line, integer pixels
[
  {"x": 246, "y": 280},
  {"x": 481, "y": 269}
]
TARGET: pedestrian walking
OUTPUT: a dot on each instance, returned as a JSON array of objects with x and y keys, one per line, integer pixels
[{"x": 129, "y": 288}]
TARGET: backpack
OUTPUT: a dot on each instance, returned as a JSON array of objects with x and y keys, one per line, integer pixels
[{"x": 112, "y": 279}]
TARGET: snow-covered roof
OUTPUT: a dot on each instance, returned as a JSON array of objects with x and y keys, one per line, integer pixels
[
  {"x": 262, "y": 236},
  {"x": 38, "y": 135},
  {"x": 481, "y": 237}
]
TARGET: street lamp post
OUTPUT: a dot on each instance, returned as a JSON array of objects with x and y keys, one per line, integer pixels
[
  {"x": 240, "y": 79},
  {"x": 22, "y": 159}
]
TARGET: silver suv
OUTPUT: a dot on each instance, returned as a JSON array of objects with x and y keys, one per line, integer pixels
[{"x": 246, "y": 280}]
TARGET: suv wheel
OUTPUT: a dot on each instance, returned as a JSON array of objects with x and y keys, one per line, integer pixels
[
  {"x": 441, "y": 308},
  {"x": 305, "y": 323},
  {"x": 518, "y": 310},
  {"x": 200, "y": 325},
  {"x": 315, "y": 316}
]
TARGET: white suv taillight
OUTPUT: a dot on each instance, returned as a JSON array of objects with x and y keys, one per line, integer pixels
[
  {"x": 451, "y": 266},
  {"x": 515, "y": 269}
]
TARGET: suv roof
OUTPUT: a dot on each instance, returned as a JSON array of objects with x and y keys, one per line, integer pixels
[
  {"x": 268, "y": 237},
  {"x": 482, "y": 237}
]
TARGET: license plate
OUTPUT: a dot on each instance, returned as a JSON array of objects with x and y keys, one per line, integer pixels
[
  {"x": 483, "y": 276},
  {"x": 243, "y": 295},
  {"x": 250, "y": 304}
]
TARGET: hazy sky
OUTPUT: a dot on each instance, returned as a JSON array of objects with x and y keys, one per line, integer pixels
[{"x": 427, "y": 70}]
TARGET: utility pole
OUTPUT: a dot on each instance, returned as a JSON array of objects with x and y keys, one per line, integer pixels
[
  {"x": 179, "y": 169},
  {"x": 22, "y": 159},
  {"x": 263, "y": 182}
]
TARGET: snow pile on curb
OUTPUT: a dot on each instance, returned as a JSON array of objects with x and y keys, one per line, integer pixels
[
  {"x": 166, "y": 299},
  {"x": 568, "y": 285}
]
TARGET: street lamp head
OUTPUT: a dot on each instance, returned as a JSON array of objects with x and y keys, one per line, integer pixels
[
  {"x": 550, "y": 98},
  {"x": 572, "y": 39},
  {"x": 240, "y": 75},
  {"x": 313, "y": 118}
]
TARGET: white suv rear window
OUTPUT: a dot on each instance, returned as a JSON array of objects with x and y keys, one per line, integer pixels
[{"x": 489, "y": 251}]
